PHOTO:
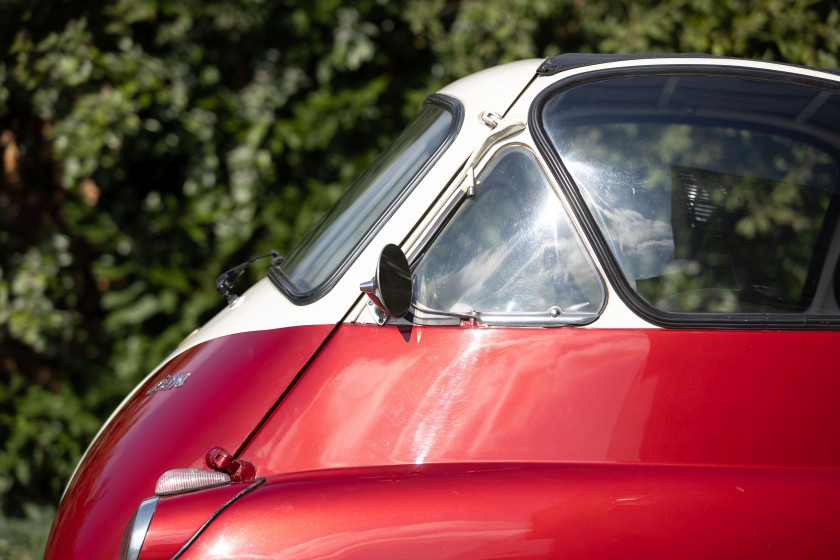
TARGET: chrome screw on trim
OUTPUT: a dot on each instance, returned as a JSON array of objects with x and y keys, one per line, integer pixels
[{"x": 490, "y": 119}]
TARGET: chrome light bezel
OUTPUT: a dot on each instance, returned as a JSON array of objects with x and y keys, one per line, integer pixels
[{"x": 137, "y": 529}]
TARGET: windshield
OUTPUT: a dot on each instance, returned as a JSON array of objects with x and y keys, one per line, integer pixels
[
  {"x": 510, "y": 250},
  {"x": 715, "y": 194},
  {"x": 345, "y": 228}
]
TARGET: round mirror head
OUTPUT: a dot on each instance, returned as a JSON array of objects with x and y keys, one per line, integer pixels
[{"x": 393, "y": 281}]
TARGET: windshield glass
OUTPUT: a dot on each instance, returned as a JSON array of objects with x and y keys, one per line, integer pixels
[
  {"x": 715, "y": 194},
  {"x": 346, "y": 225},
  {"x": 511, "y": 250}
]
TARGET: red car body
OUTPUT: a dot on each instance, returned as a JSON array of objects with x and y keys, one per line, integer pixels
[{"x": 667, "y": 422}]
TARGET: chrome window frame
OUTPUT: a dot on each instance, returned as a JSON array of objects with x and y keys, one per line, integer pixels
[{"x": 554, "y": 317}]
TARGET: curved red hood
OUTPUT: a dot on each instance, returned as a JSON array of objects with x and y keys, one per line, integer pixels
[{"x": 171, "y": 423}]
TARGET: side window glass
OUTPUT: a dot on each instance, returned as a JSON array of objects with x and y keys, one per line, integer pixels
[
  {"x": 511, "y": 250},
  {"x": 715, "y": 194}
]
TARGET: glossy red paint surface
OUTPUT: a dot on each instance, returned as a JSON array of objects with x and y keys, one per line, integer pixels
[
  {"x": 221, "y": 460},
  {"x": 580, "y": 441},
  {"x": 388, "y": 395},
  {"x": 177, "y": 517},
  {"x": 533, "y": 511},
  {"x": 233, "y": 382}
]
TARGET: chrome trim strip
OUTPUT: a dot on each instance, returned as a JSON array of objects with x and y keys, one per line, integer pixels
[
  {"x": 139, "y": 527},
  {"x": 554, "y": 317}
]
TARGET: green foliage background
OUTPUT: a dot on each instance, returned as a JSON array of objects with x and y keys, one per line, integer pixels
[{"x": 147, "y": 145}]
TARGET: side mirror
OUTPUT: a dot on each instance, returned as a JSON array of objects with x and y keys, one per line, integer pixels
[{"x": 390, "y": 288}]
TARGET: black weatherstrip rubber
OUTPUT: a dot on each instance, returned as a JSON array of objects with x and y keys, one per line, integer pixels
[
  {"x": 728, "y": 321},
  {"x": 256, "y": 484}
]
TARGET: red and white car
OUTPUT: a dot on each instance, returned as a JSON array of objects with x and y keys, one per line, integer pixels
[{"x": 597, "y": 319}]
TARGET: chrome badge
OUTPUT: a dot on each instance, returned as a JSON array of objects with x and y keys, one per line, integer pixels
[{"x": 169, "y": 382}]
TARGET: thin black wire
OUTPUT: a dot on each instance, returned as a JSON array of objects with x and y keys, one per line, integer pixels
[{"x": 216, "y": 514}]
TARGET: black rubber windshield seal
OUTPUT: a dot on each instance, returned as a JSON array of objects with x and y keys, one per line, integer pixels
[
  {"x": 569, "y": 61},
  {"x": 730, "y": 321}
]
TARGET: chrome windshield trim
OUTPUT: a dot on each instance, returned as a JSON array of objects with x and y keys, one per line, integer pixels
[
  {"x": 537, "y": 319},
  {"x": 553, "y": 317}
]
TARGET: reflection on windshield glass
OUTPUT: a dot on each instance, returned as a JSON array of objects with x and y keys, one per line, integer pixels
[
  {"x": 714, "y": 194},
  {"x": 345, "y": 225},
  {"x": 511, "y": 250}
]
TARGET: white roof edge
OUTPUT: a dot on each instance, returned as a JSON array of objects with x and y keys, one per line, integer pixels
[
  {"x": 666, "y": 60},
  {"x": 499, "y": 85}
]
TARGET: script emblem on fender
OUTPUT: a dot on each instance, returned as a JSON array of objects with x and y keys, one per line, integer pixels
[{"x": 169, "y": 382}]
